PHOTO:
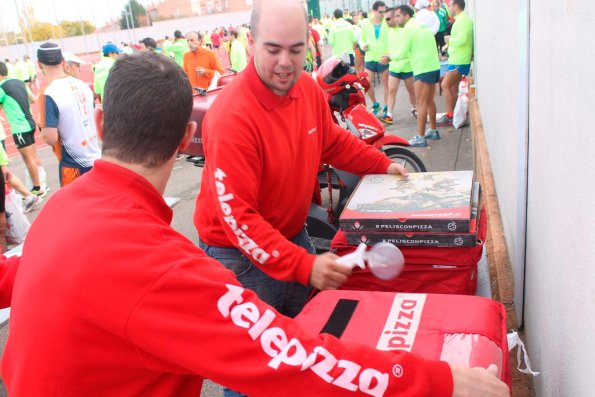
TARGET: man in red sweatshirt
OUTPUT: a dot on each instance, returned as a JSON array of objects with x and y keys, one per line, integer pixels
[
  {"x": 264, "y": 138},
  {"x": 136, "y": 309}
]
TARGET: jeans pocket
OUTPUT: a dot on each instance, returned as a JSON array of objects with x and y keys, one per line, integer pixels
[{"x": 231, "y": 258}]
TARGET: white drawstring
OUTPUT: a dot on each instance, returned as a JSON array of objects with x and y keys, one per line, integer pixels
[{"x": 513, "y": 341}]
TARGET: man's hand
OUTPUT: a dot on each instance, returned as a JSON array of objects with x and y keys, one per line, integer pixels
[
  {"x": 200, "y": 70},
  {"x": 327, "y": 273},
  {"x": 365, "y": 47},
  {"x": 385, "y": 59},
  {"x": 477, "y": 382},
  {"x": 395, "y": 168}
]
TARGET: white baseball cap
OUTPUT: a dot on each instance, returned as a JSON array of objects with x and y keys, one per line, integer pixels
[
  {"x": 420, "y": 4},
  {"x": 70, "y": 57}
]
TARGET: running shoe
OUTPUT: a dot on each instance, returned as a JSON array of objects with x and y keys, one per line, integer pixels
[
  {"x": 39, "y": 192},
  {"x": 386, "y": 119},
  {"x": 375, "y": 108},
  {"x": 31, "y": 202},
  {"x": 418, "y": 141},
  {"x": 432, "y": 134},
  {"x": 444, "y": 120}
]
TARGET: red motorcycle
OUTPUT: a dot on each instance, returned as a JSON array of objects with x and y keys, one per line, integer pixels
[{"x": 345, "y": 90}]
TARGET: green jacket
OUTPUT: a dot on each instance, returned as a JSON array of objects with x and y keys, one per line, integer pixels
[
  {"x": 395, "y": 41},
  {"x": 460, "y": 45},
  {"x": 419, "y": 45},
  {"x": 237, "y": 56},
  {"x": 3, "y": 157},
  {"x": 179, "y": 48},
  {"x": 342, "y": 38},
  {"x": 101, "y": 72},
  {"x": 377, "y": 47},
  {"x": 443, "y": 18}
]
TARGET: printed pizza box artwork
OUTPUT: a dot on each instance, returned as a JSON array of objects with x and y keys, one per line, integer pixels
[{"x": 427, "y": 202}]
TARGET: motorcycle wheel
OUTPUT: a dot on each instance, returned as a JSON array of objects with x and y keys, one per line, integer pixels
[{"x": 406, "y": 158}]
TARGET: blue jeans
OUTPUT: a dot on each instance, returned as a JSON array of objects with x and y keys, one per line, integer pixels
[{"x": 288, "y": 298}]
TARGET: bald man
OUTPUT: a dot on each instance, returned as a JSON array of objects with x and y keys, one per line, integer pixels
[
  {"x": 200, "y": 64},
  {"x": 264, "y": 137}
]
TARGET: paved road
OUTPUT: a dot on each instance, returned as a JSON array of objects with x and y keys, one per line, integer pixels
[{"x": 452, "y": 152}]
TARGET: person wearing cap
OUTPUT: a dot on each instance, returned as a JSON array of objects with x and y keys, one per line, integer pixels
[
  {"x": 66, "y": 112},
  {"x": 178, "y": 48},
  {"x": 200, "y": 64},
  {"x": 110, "y": 53},
  {"x": 15, "y": 99},
  {"x": 427, "y": 17},
  {"x": 72, "y": 64}
]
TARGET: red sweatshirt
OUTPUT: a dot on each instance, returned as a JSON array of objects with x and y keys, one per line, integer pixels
[
  {"x": 8, "y": 271},
  {"x": 262, "y": 156},
  {"x": 133, "y": 308}
]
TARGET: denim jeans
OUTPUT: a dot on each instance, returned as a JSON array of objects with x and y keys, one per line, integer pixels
[{"x": 287, "y": 297}]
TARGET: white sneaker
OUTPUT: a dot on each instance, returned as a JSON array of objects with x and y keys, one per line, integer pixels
[{"x": 31, "y": 202}]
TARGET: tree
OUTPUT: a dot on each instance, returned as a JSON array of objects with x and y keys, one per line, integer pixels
[
  {"x": 138, "y": 11},
  {"x": 73, "y": 28}
]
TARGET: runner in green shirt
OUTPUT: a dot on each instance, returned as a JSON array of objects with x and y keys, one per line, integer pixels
[
  {"x": 460, "y": 51},
  {"x": 397, "y": 70},
  {"x": 373, "y": 41},
  {"x": 178, "y": 48},
  {"x": 419, "y": 46},
  {"x": 110, "y": 53},
  {"x": 342, "y": 37}
]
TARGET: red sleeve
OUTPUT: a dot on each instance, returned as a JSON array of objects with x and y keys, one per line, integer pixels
[
  {"x": 225, "y": 333},
  {"x": 8, "y": 272},
  {"x": 233, "y": 176}
]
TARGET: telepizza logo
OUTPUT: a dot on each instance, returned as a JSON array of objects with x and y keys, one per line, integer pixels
[
  {"x": 402, "y": 322},
  {"x": 245, "y": 242},
  {"x": 273, "y": 340}
]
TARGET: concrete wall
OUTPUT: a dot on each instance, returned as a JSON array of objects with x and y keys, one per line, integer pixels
[
  {"x": 93, "y": 42},
  {"x": 536, "y": 100}
]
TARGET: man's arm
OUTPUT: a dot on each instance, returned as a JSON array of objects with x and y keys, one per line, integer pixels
[
  {"x": 216, "y": 319},
  {"x": 49, "y": 131}
]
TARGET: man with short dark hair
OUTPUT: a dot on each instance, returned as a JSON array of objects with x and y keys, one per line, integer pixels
[
  {"x": 460, "y": 52},
  {"x": 178, "y": 48},
  {"x": 66, "y": 113},
  {"x": 142, "y": 311},
  {"x": 342, "y": 37},
  {"x": 237, "y": 53},
  {"x": 148, "y": 44}
]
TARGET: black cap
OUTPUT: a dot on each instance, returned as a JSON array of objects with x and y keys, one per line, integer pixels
[{"x": 49, "y": 54}]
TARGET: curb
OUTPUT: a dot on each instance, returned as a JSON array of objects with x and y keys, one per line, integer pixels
[{"x": 499, "y": 265}]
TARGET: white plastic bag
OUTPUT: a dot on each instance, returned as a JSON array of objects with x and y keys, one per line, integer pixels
[
  {"x": 459, "y": 118},
  {"x": 514, "y": 340},
  {"x": 17, "y": 224},
  {"x": 42, "y": 179}
]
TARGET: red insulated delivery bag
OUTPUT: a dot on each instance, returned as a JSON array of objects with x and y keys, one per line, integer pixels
[
  {"x": 438, "y": 270},
  {"x": 462, "y": 330}
]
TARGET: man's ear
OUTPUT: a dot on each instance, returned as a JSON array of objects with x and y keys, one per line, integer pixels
[
  {"x": 98, "y": 116},
  {"x": 188, "y": 135}
]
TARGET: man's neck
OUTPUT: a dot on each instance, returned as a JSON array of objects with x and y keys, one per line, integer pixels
[
  {"x": 157, "y": 176},
  {"x": 54, "y": 73}
]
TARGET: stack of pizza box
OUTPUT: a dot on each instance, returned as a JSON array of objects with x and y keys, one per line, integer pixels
[{"x": 428, "y": 209}]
